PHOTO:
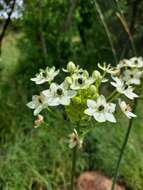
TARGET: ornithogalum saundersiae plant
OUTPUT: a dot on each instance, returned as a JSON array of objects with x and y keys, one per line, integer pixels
[{"x": 81, "y": 95}]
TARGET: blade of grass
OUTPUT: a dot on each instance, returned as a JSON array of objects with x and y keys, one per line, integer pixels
[
  {"x": 106, "y": 29},
  {"x": 126, "y": 28}
]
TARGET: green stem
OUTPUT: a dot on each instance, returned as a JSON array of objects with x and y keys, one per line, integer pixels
[
  {"x": 73, "y": 170},
  {"x": 122, "y": 149},
  {"x": 112, "y": 95}
]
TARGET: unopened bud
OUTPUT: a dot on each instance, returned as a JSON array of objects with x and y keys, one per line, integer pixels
[
  {"x": 96, "y": 75},
  {"x": 68, "y": 80},
  {"x": 85, "y": 73},
  {"x": 71, "y": 67},
  {"x": 77, "y": 100},
  {"x": 93, "y": 90}
]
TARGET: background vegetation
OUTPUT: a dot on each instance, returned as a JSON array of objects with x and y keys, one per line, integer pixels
[{"x": 52, "y": 33}]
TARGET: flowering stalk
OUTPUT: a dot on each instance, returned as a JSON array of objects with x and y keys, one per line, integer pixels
[
  {"x": 123, "y": 148},
  {"x": 73, "y": 170},
  {"x": 81, "y": 95}
]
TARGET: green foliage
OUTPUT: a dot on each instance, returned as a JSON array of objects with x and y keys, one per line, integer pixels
[{"x": 30, "y": 156}]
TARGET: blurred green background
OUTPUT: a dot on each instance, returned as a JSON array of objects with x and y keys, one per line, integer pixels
[{"x": 53, "y": 32}]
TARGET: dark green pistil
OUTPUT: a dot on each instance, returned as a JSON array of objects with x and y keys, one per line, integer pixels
[
  {"x": 101, "y": 108},
  {"x": 128, "y": 68},
  {"x": 40, "y": 100},
  {"x": 44, "y": 75},
  {"x": 136, "y": 61},
  {"x": 131, "y": 75},
  {"x": 59, "y": 91},
  {"x": 126, "y": 86},
  {"x": 80, "y": 80}
]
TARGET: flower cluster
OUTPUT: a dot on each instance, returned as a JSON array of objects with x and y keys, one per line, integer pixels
[{"x": 80, "y": 92}]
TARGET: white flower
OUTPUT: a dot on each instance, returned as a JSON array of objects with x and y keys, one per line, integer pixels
[
  {"x": 132, "y": 76},
  {"x": 126, "y": 109},
  {"x": 58, "y": 94},
  {"x": 101, "y": 110},
  {"x": 123, "y": 88},
  {"x": 137, "y": 62},
  {"x": 74, "y": 140},
  {"x": 108, "y": 68},
  {"x": 124, "y": 63},
  {"x": 38, "y": 103},
  {"x": 134, "y": 62},
  {"x": 81, "y": 81},
  {"x": 46, "y": 75}
]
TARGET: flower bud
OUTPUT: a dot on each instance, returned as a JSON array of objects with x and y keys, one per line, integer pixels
[
  {"x": 68, "y": 80},
  {"x": 77, "y": 100},
  {"x": 71, "y": 67},
  {"x": 93, "y": 90},
  {"x": 85, "y": 73},
  {"x": 96, "y": 75}
]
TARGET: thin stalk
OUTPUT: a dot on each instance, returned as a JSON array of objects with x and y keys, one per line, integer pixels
[
  {"x": 123, "y": 148},
  {"x": 73, "y": 170},
  {"x": 97, "y": 6},
  {"x": 112, "y": 95}
]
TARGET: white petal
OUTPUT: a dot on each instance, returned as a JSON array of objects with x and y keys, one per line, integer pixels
[
  {"x": 135, "y": 81},
  {"x": 110, "y": 117},
  {"x": 53, "y": 101},
  {"x": 64, "y": 100},
  {"x": 53, "y": 87},
  {"x": 71, "y": 93},
  {"x": 91, "y": 103},
  {"x": 31, "y": 105},
  {"x": 101, "y": 100},
  {"x": 111, "y": 107},
  {"x": 130, "y": 114},
  {"x": 89, "y": 111},
  {"x": 100, "y": 117},
  {"x": 114, "y": 84},
  {"x": 122, "y": 105},
  {"x": 38, "y": 110},
  {"x": 46, "y": 93},
  {"x": 131, "y": 95},
  {"x": 38, "y": 80}
]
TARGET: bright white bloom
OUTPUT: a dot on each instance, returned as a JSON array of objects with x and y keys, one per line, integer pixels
[
  {"x": 101, "y": 110},
  {"x": 81, "y": 81},
  {"x": 124, "y": 63},
  {"x": 46, "y": 75},
  {"x": 123, "y": 88},
  {"x": 74, "y": 140},
  {"x": 132, "y": 76},
  {"x": 38, "y": 103},
  {"x": 134, "y": 62},
  {"x": 137, "y": 62},
  {"x": 108, "y": 68},
  {"x": 58, "y": 94},
  {"x": 38, "y": 121},
  {"x": 126, "y": 109}
]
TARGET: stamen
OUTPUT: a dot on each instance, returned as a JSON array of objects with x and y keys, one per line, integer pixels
[
  {"x": 101, "y": 108},
  {"x": 59, "y": 91},
  {"x": 80, "y": 80}
]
